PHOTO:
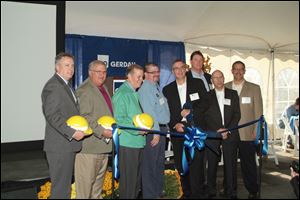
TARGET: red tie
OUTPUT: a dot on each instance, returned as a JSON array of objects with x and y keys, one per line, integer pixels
[{"x": 106, "y": 97}]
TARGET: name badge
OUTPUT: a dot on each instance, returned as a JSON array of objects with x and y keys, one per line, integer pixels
[
  {"x": 161, "y": 101},
  {"x": 246, "y": 100},
  {"x": 194, "y": 96},
  {"x": 227, "y": 102},
  {"x": 210, "y": 86}
]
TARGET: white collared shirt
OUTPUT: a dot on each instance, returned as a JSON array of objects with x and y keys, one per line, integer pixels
[
  {"x": 182, "y": 95},
  {"x": 221, "y": 96},
  {"x": 238, "y": 87}
]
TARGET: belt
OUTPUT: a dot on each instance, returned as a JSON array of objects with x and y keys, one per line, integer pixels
[{"x": 163, "y": 125}]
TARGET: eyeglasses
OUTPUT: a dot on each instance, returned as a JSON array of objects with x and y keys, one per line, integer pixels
[
  {"x": 104, "y": 72},
  {"x": 153, "y": 72}
]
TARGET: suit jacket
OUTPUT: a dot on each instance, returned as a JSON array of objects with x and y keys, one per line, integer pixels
[
  {"x": 93, "y": 106},
  {"x": 58, "y": 105},
  {"x": 232, "y": 114},
  {"x": 199, "y": 105},
  {"x": 206, "y": 76},
  {"x": 251, "y": 106}
]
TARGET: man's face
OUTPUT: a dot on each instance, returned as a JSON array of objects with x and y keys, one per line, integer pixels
[
  {"x": 179, "y": 70},
  {"x": 152, "y": 73},
  {"x": 217, "y": 79},
  {"x": 238, "y": 72},
  {"x": 98, "y": 74},
  {"x": 65, "y": 67},
  {"x": 136, "y": 78},
  {"x": 197, "y": 62}
]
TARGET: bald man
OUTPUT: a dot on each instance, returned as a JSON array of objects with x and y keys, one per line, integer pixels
[{"x": 223, "y": 113}]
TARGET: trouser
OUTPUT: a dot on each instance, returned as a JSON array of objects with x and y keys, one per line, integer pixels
[
  {"x": 89, "y": 175},
  {"x": 230, "y": 166},
  {"x": 192, "y": 183},
  {"x": 61, "y": 165},
  {"x": 153, "y": 168},
  {"x": 213, "y": 160},
  {"x": 247, "y": 152},
  {"x": 130, "y": 162}
]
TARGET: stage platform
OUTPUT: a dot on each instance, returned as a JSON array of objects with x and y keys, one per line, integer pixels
[{"x": 22, "y": 174}]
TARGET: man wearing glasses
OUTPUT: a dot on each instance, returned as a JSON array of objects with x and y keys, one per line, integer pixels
[
  {"x": 91, "y": 162},
  {"x": 154, "y": 103},
  {"x": 178, "y": 93}
]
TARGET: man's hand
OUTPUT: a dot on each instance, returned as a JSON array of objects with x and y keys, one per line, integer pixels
[
  {"x": 179, "y": 127},
  {"x": 224, "y": 134},
  {"x": 293, "y": 173},
  {"x": 185, "y": 112},
  {"x": 78, "y": 135},
  {"x": 107, "y": 133},
  {"x": 155, "y": 140}
]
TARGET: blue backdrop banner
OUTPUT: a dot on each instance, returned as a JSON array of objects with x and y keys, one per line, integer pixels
[{"x": 121, "y": 53}]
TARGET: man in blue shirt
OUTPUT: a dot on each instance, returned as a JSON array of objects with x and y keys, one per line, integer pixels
[
  {"x": 154, "y": 103},
  {"x": 292, "y": 110}
]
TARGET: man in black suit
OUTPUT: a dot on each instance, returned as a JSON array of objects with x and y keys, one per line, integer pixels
[
  {"x": 59, "y": 104},
  {"x": 223, "y": 113},
  {"x": 179, "y": 92},
  {"x": 196, "y": 71}
]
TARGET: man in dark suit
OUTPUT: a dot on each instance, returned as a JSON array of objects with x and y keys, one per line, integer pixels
[
  {"x": 59, "y": 103},
  {"x": 179, "y": 92},
  {"x": 196, "y": 71},
  {"x": 223, "y": 112}
]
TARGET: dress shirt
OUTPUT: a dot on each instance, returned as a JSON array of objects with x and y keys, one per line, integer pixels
[
  {"x": 202, "y": 77},
  {"x": 238, "y": 87},
  {"x": 154, "y": 103},
  {"x": 69, "y": 86},
  {"x": 220, "y": 96},
  {"x": 182, "y": 95}
]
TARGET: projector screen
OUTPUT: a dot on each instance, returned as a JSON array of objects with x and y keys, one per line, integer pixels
[{"x": 28, "y": 49}]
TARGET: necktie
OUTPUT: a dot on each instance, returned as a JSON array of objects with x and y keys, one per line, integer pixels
[
  {"x": 106, "y": 97},
  {"x": 72, "y": 91}
]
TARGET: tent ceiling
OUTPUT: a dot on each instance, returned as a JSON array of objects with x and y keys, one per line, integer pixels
[{"x": 242, "y": 25}]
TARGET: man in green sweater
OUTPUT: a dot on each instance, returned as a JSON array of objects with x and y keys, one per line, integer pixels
[{"x": 126, "y": 105}]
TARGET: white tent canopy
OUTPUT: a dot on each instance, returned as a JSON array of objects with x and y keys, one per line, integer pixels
[
  {"x": 263, "y": 34},
  {"x": 241, "y": 25}
]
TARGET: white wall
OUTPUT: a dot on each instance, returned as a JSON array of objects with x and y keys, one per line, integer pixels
[{"x": 28, "y": 49}]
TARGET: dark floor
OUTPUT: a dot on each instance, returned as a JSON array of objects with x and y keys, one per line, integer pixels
[{"x": 22, "y": 173}]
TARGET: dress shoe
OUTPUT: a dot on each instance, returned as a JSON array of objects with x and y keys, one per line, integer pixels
[
  {"x": 252, "y": 196},
  {"x": 212, "y": 195}
]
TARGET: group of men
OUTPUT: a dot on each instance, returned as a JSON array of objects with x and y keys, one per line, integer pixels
[{"x": 194, "y": 98}]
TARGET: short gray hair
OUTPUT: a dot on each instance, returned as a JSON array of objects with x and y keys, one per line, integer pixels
[
  {"x": 96, "y": 62},
  {"x": 59, "y": 56}
]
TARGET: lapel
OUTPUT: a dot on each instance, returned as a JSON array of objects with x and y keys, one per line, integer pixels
[
  {"x": 177, "y": 103},
  {"x": 244, "y": 89},
  {"x": 227, "y": 107},
  {"x": 99, "y": 94},
  {"x": 215, "y": 102},
  {"x": 67, "y": 89}
]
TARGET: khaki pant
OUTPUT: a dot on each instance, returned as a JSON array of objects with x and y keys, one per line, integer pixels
[{"x": 89, "y": 175}]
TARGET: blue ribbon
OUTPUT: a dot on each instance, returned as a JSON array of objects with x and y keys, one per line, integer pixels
[
  {"x": 258, "y": 134},
  {"x": 194, "y": 138},
  {"x": 116, "y": 158}
]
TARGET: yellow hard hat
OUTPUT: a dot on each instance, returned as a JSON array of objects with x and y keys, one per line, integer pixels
[
  {"x": 79, "y": 123},
  {"x": 143, "y": 120},
  {"x": 106, "y": 122}
]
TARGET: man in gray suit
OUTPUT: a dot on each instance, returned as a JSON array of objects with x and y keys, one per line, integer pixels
[
  {"x": 91, "y": 162},
  {"x": 61, "y": 142},
  {"x": 251, "y": 109}
]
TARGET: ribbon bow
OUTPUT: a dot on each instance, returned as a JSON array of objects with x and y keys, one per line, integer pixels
[{"x": 194, "y": 138}]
